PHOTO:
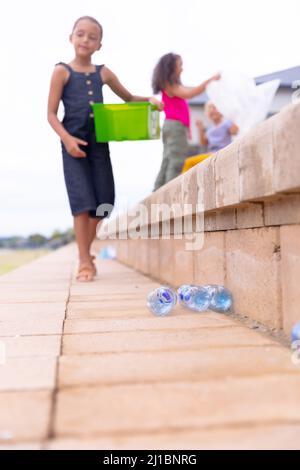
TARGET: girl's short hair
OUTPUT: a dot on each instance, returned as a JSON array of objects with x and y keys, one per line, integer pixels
[
  {"x": 165, "y": 72},
  {"x": 93, "y": 20}
]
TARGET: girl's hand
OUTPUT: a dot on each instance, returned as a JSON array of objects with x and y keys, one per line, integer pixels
[
  {"x": 211, "y": 79},
  {"x": 72, "y": 146},
  {"x": 157, "y": 103},
  {"x": 215, "y": 77}
]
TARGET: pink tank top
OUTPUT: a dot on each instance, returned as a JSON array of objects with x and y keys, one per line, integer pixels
[{"x": 176, "y": 109}]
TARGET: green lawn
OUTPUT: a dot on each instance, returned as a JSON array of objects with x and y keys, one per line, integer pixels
[{"x": 11, "y": 259}]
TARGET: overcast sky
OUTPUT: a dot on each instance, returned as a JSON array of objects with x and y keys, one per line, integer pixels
[{"x": 255, "y": 37}]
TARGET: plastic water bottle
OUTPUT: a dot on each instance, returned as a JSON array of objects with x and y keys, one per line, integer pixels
[
  {"x": 161, "y": 301},
  {"x": 195, "y": 298},
  {"x": 221, "y": 298},
  {"x": 295, "y": 334},
  {"x": 184, "y": 294},
  {"x": 108, "y": 252}
]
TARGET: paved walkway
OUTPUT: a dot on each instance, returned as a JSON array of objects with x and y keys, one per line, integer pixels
[{"x": 88, "y": 367}]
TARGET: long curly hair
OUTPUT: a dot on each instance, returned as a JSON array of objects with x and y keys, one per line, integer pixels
[{"x": 165, "y": 72}]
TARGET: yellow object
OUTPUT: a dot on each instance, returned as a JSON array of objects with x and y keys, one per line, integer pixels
[{"x": 192, "y": 161}]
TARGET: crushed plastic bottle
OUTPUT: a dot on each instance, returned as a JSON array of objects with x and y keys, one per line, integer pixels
[
  {"x": 184, "y": 294},
  {"x": 162, "y": 301},
  {"x": 295, "y": 333},
  {"x": 221, "y": 298},
  {"x": 108, "y": 252},
  {"x": 196, "y": 298}
]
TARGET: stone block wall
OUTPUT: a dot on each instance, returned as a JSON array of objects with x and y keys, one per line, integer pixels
[{"x": 248, "y": 197}]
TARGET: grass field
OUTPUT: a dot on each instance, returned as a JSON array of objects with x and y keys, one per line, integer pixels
[{"x": 11, "y": 259}]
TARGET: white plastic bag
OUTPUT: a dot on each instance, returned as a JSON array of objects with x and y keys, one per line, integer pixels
[{"x": 239, "y": 99}]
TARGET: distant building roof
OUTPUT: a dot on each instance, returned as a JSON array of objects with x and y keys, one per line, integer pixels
[
  {"x": 287, "y": 77},
  {"x": 199, "y": 100}
]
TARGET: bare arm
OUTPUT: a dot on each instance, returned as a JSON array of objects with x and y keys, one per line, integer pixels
[
  {"x": 71, "y": 143},
  {"x": 110, "y": 79},
  {"x": 203, "y": 140},
  {"x": 58, "y": 80},
  {"x": 189, "y": 92}
]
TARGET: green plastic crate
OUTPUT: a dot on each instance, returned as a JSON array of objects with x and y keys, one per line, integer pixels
[{"x": 128, "y": 121}]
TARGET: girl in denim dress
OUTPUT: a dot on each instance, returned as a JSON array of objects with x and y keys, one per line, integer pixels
[{"x": 87, "y": 166}]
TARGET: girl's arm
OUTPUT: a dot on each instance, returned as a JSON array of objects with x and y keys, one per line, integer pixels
[
  {"x": 203, "y": 140},
  {"x": 234, "y": 129},
  {"x": 110, "y": 79},
  {"x": 189, "y": 92},
  {"x": 58, "y": 80}
]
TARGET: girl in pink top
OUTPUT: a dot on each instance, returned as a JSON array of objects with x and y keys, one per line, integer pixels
[{"x": 166, "y": 80}]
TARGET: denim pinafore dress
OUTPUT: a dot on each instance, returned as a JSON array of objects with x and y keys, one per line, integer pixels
[{"x": 89, "y": 181}]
